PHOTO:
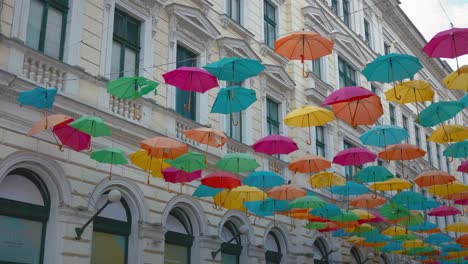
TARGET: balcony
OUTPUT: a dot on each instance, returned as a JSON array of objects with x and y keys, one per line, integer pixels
[
  {"x": 43, "y": 71},
  {"x": 128, "y": 109}
]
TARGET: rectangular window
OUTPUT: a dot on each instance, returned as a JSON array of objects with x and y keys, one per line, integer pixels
[
  {"x": 346, "y": 13},
  {"x": 317, "y": 68},
  {"x": 367, "y": 32},
  {"x": 229, "y": 258},
  {"x": 350, "y": 170},
  {"x": 235, "y": 132},
  {"x": 334, "y": 6},
  {"x": 176, "y": 253},
  {"x": 320, "y": 141},
  {"x": 404, "y": 120},
  {"x": 386, "y": 48},
  {"x": 374, "y": 89},
  {"x": 234, "y": 10},
  {"x": 391, "y": 110},
  {"x": 429, "y": 150},
  {"x": 439, "y": 158},
  {"x": 417, "y": 135},
  {"x": 269, "y": 20},
  {"x": 47, "y": 22},
  {"x": 379, "y": 162},
  {"x": 186, "y": 58},
  {"x": 347, "y": 73},
  {"x": 272, "y": 117},
  {"x": 104, "y": 243},
  {"x": 125, "y": 46}
]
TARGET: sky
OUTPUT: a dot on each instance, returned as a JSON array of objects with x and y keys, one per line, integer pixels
[{"x": 429, "y": 18}]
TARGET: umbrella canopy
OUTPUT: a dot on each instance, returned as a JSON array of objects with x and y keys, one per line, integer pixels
[
  {"x": 350, "y": 188},
  {"x": 433, "y": 177},
  {"x": 309, "y": 164},
  {"x": 191, "y": 79},
  {"x": 266, "y": 207},
  {"x": 459, "y": 227},
  {"x": 395, "y": 184},
  {"x": 415, "y": 91},
  {"x": 286, "y": 192},
  {"x": 234, "y": 69},
  {"x": 423, "y": 227},
  {"x": 306, "y": 202},
  {"x": 109, "y": 156},
  {"x": 221, "y": 179},
  {"x": 393, "y": 246},
  {"x": 263, "y": 179},
  {"x": 345, "y": 216},
  {"x": 449, "y": 43},
  {"x": 377, "y": 219},
  {"x": 131, "y": 87},
  {"x": 449, "y": 133},
  {"x": 363, "y": 214},
  {"x": 444, "y": 210},
  {"x": 340, "y": 233},
  {"x": 458, "y": 80},
  {"x": 461, "y": 202},
  {"x": 414, "y": 244},
  {"x": 464, "y": 100},
  {"x": 367, "y": 201},
  {"x": 315, "y": 225},
  {"x": 72, "y": 137},
  {"x": 208, "y": 136},
  {"x": 401, "y": 152},
  {"x": 175, "y": 175},
  {"x": 423, "y": 205},
  {"x": 440, "y": 112},
  {"x": 188, "y": 162},
  {"x": 407, "y": 197},
  {"x": 237, "y": 162},
  {"x": 456, "y": 196},
  {"x": 360, "y": 112},
  {"x": 447, "y": 189},
  {"x": 406, "y": 237},
  {"x": 463, "y": 167},
  {"x": 206, "y": 191},
  {"x": 392, "y": 67},
  {"x": 327, "y": 211},
  {"x": 39, "y": 97},
  {"x": 395, "y": 231},
  {"x": 354, "y": 157},
  {"x": 142, "y": 160},
  {"x": 326, "y": 179},
  {"x": 233, "y": 99},
  {"x": 457, "y": 150},
  {"x": 462, "y": 240},
  {"x": 347, "y": 94},
  {"x": 413, "y": 219},
  {"x": 48, "y": 122},
  {"x": 223, "y": 199},
  {"x": 361, "y": 229},
  {"x": 275, "y": 144},
  {"x": 91, "y": 125},
  {"x": 384, "y": 135},
  {"x": 374, "y": 174},
  {"x": 163, "y": 147},
  {"x": 308, "y": 116},
  {"x": 393, "y": 211},
  {"x": 437, "y": 239},
  {"x": 247, "y": 193}
]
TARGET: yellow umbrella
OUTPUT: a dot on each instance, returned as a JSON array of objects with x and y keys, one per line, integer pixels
[
  {"x": 308, "y": 116},
  {"x": 234, "y": 199},
  {"x": 458, "y": 254},
  {"x": 447, "y": 189},
  {"x": 449, "y": 133},
  {"x": 154, "y": 165},
  {"x": 411, "y": 92},
  {"x": 363, "y": 214},
  {"x": 398, "y": 252},
  {"x": 395, "y": 231},
  {"x": 355, "y": 239},
  {"x": 221, "y": 199},
  {"x": 326, "y": 179},
  {"x": 414, "y": 244},
  {"x": 459, "y": 227},
  {"x": 391, "y": 185},
  {"x": 360, "y": 229},
  {"x": 458, "y": 80}
]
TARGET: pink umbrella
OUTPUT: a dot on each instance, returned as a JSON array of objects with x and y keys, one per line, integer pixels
[
  {"x": 444, "y": 210},
  {"x": 71, "y": 137},
  {"x": 450, "y": 43},
  {"x": 275, "y": 144},
  {"x": 191, "y": 79},
  {"x": 354, "y": 157},
  {"x": 377, "y": 219},
  {"x": 463, "y": 167},
  {"x": 174, "y": 175},
  {"x": 461, "y": 202},
  {"x": 347, "y": 94}
]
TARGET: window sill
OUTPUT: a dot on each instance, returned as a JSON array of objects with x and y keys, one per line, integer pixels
[
  {"x": 229, "y": 23},
  {"x": 266, "y": 50}
]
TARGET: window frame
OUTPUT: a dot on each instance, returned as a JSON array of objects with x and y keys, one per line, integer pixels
[
  {"x": 317, "y": 68},
  {"x": 334, "y": 7},
  {"x": 346, "y": 12},
  {"x": 404, "y": 123},
  {"x": 320, "y": 144},
  {"x": 180, "y": 239},
  {"x": 439, "y": 162},
  {"x": 230, "y": 248},
  {"x": 267, "y": 21},
  {"x": 274, "y": 256},
  {"x": 367, "y": 33},
  {"x": 180, "y": 94},
  {"x": 321, "y": 247},
  {"x": 387, "y": 48},
  {"x": 417, "y": 135},
  {"x": 429, "y": 150},
  {"x": 347, "y": 68},
  {"x": 392, "y": 114},
  {"x": 270, "y": 120},
  {"x": 230, "y": 3}
]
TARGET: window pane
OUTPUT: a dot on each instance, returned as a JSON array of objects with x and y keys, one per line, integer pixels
[
  {"x": 316, "y": 68},
  {"x": 36, "y": 11},
  {"x": 175, "y": 254},
  {"x": 234, "y": 10},
  {"x": 129, "y": 63},
  {"x": 104, "y": 244},
  {"x": 21, "y": 189},
  {"x": 52, "y": 43},
  {"x": 235, "y": 132},
  {"x": 229, "y": 259},
  {"x": 132, "y": 31},
  {"x": 20, "y": 240},
  {"x": 115, "y": 61},
  {"x": 119, "y": 24}
]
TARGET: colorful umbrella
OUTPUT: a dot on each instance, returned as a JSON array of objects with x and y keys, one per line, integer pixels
[
  {"x": 47, "y": 123},
  {"x": 326, "y": 211},
  {"x": 447, "y": 189},
  {"x": 266, "y": 207},
  {"x": 91, "y": 125},
  {"x": 416, "y": 91},
  {"x": 326, "y": 179},
  {"x": 364, "y": 228},
  {"x": 306, "y": 202},
  {"x": 191, "y": 79},
  {"x": 221, "y": 179},
  {"x": 462, "y": 240},
  {"x": 223, "y": 199},
  {"x": 308, "y": 116},
  {"x": 406, "y": 237},
  {"x": 458, "y": 80},
  {"x": 373, "y": 174},
  {"x": 429, "y": 203},
  {"x": 463, "y": 167},
  {"x": 363, "y": 214},
  {"x": 393, "y": 246},
  {"x": 309, "y": 164},
  {"x": 464, "y": 100},
  {"x": 444, "y": 210},
  {"x": 433, "y": 177},
  {"x": 415, "y": 218},
  {"x": 401, "y": 152},
  {"x": 142, "y": 160},
  {"x": 174, "y": 175},
  {"x": 163, "y": 147},
  {"x": 227, "y": 103},
  {"x": 407, "y": 197},
  {"x": 440, "y": 112},
  {"x": 71, "y": 137},
  {"x": 286, "y": 192},
  {"x": 457, "y": 150},
  {"x": 354, "y": 157},
  {"x": 188, "y": 162},
  {"x": 367, "y": 201},
  {"x": 39, "y": 97},
  {"x": 235, "y": 198},
  {"x": 437, "y": 239},
  {"x": 456, "y": 196},
  {"x": 449, "y": 133},
  {"x": 234, "y": 69},
  {"x": 263, "y": 179},
  {"x": 395, "y": 184},
  {"x": 206, "y": 191},
  {"x": 450, "y": 43},
  {"x": 350, "y": 188},
  {"x": 345, "y": 216},
  {"x": 110, "y": 156},
  {"x": 347, "y": 94},
  {"x": 377, "y": 219},
  {"x": 340, "y": 233},
  {"x": 303, "y": 46},
  {"x": 208, "y": 136},
  {"x": 393, "y": 211},
  {"x": 458, "y": 227},
  {"x": 131, "y": 87},
  {"x": 237, "y": 162},
  {"x": 359, "y": 112},
  {"x": 384, "y": 135},
  {"x": 395, "y": 231},
  {"x": 275, "y": 144},
  {"x": 315, "y": 225}
]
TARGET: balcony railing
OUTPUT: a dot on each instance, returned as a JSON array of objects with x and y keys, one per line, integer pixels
[
  {"x": 43, "y": 71},
  {"x": 129, "y": 109},
  {"x": 183, "y": 124}
]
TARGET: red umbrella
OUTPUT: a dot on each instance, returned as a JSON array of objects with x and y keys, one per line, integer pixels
[
  {"x": 174, "y": 175},
  {"x": 347, "y": 94},
  {"x": 444, "y": 210},
  {"x": 463, "y": 167},
  {"x": 72, "y": 137},
  {"x": 354, "y": 157},
  {"x": 275, "y": 144},
  {"x": 461, "y": 202},
  {"x": 221, "y": 179}
]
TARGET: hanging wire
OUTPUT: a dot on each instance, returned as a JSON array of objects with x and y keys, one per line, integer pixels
[{"x": 446, "y": 14}]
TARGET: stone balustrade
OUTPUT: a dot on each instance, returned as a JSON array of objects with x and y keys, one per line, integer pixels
[
  {"x": 129, "y": 109},
  {"x": 43, "y": 71}
]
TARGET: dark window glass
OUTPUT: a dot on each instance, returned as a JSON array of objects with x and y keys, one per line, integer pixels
[
  {"x": 404, "y": 120},
  {"x": 417, "y": 135},
  {"x": 272, "y": 117},
  {"x": 269, "y": 23},
  {"x": 186, "y": 58},
  {"x": 317, "y": 68},
  {"x": 429, "y": 150},
  {"x": 386, "y": 48},
  {"x": 334, "y": 6},
  {"x": 392, "y": 114},
  {"x": 346, "y": 73},
  {"x": 320, "y": 141},
  {"x": 367, "y": 32},
  {"x": 234, "y": 10},
  {"x": 346, "y": 13}
]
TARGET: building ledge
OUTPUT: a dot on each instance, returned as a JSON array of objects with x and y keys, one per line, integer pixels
[{"x": 229, "y": 23}]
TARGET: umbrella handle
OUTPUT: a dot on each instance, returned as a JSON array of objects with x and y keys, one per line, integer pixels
[
  {"x": 234, "y": 122},
  {"x": 304, "y": 74},
  {"x": 136, "y": 115},
  {"x": 374, "y": 196},
  {"x": 168, "y": 189},
  {"x": 450, "y": 159},
  {"x": 61, "y": 148},
  {"x": 291, "y": 228},
  {"x": 215, "y": 207}
]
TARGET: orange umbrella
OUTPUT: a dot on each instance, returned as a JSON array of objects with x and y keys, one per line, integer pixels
[
  {"x": 463, "y": 240},
  {"x": 163, "y": 147},
  {"x": 401, "y": 152},
  {"x": 457, "y": 196},
  {"x": 208, "y": 136},
  {"x": 367, "y": 201},
  {"x": 433, "y": 177},
  {"x": 303, "y": 46},
  {"x": 359, "y": 112},
  {"x": 286, "y": 192},
  {"x": 347, "y": 224},
  {"x": 430, "y": 231},
  {"x": 309, "y": 164},
  {"x": 46, "y": 123}
]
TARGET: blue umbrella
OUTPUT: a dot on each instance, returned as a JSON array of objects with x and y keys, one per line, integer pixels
[
  {"x": 423, "y": 227},
  {"x": 384, "y": 135},
  {"x": 392, "y": 246},
  {"x": 464, "y": 100},
  {"x": 234, "y": 69},
  {"x": 457, "y": 150},
  {"x": 375, "y": 237},
  {"x": 340, "y": 233},
  {"x": 350, "y": 188},
  {"x": 437, "y": 239},
  {"x": 42, "y": 98},
  {"x": 266, "y": 207},
  {"x": 327, "y": 211},
  {"x": 407, "y": 197},
  {"x": 206, "y": 191},
  {"x": 233, "y": 99},
  {"x": 427, "y": 204},
  {"x": 451, "y": 248},
  {"x": 263, "y": 179},
  {"x": 373, "y": 174},
  {"x": 439, "y": 112}
]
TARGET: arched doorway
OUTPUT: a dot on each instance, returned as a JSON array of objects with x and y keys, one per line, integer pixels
[{"x": 273, "y": 254}]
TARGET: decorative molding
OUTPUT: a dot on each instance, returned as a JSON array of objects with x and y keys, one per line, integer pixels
[
  {"x": 228, "y": 23},
  {"x": 276, "y": 76},
  {"x": 239, "y": 218},
  {"x": 266, "y": 50},
  {"x": 205, "y": 5},
  {"x": 353, "y": 48},
  {"x": 236, "y": 47}
]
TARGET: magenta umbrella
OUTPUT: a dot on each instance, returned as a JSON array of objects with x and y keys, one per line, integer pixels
[
  {"x": 72, "y": 137},
  {"x": 444, "y": 210},
  {"x": 463, "y": 167},
  {"x": 450, "y": 43},
  {"x": 377, "y": 219},
  {"x": 347, "y": 94},
  {"x": 354, "y": 157},
  {"x": 191, "y": 79},
  {"x": 174, "y": 175},
  {"x": 461, "y": 202},
  {"x": 275, "y": 144}
]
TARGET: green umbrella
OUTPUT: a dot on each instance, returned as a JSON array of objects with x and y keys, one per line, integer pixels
[
  {"x": 420, "y": 250},
  {"x": 315, "y": 225},
  {"x": 404, "y": 237},
  {"x": 188, "y": 162},
  {"x": 412, "y": 220},
  {"x": 393, "y": 211},
  {"x": 237, "y": 162},
  {"x": 346, "y": 216},
  {"x": 91, "y": 125},
  {"x": 109, "y": 156},
  {"x": 131, "y": 87},
  {"x": 306, "y": 202}
]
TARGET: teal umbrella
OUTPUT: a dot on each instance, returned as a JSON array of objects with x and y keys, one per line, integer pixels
[
  {"x": 327, "y": 211},
  {"x": 131, "y": 87},
  {"x": 384, "y": 135},
  {"x": 374, "y": 237},
  {"x": 346, "y": 216},
  {"x": 350, "y": 188},
  {"x": 437, "y": 238},
  {"x": 439, "y": 112},
  {"x": 412, "y": 220},
  {"x": 393, "y": 211},
  {"x": 189, "y": 162},
  {"x": 423, "y": 226},
  {"x": 373, "y": 174},
  {"x": 464, "y": 100},
  {"x": 340, "y": 233},
  {"x": 263, "y": 179},
  {"x": 110, "y": 156},
  {"x": 237, "y": 162},
  {"x": 233, "y": 99},
  {"x": 407, "y": 197},
  {"x": 267, "y": 207},
  {"x": 457, "y": 150},
  {"x": 427, "y": 204},
  {"x": 306, "y": 202},
  {"x": 420, "y": 250},
  {"x": 206, "y": 191},
  {"x": 392, "y": 246},
  {"x": 234, "y": 69}
]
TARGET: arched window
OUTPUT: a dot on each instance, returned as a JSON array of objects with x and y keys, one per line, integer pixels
[
  {"x": 383, "y": 259},
  {"x": 356, "y": 257},
  {"x": 230, "y": 252},
  {"x": 320, "y": 252},
  {"x": 24, "y": 211},
  {"x": 111, "y": 229},
  {"x": 273, "y": 247},
  {"x": 179, "y": 237}
]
